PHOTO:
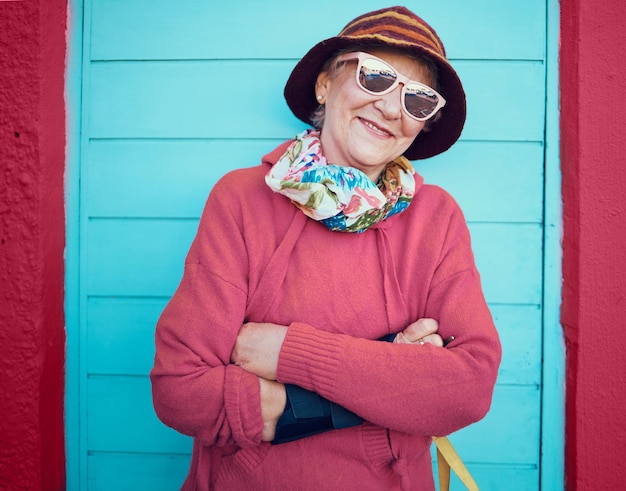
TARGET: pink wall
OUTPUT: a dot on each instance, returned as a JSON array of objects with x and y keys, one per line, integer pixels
[
  {"x": 593, "y": 160},
  {"x": 32, "y": 231}
]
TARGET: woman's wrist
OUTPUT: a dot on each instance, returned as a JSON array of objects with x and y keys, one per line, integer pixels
[{"x": 273, "y": 402}]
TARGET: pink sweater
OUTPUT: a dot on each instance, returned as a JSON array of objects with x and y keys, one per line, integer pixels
[{"x": 256, "y": 257}]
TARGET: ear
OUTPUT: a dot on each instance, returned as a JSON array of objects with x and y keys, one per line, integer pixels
[{"x": 321, "y": 87}]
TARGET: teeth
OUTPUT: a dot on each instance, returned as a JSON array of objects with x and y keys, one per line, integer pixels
[{"x": 375, "y": 128}]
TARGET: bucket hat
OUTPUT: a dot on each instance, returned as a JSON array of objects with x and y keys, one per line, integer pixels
[{"x": 398, "y": 28}]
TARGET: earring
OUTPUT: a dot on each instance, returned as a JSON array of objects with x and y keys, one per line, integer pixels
[{"x": 319, "y": 97}]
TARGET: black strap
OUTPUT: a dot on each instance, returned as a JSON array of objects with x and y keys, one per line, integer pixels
[{"x": 306, "y": 414}]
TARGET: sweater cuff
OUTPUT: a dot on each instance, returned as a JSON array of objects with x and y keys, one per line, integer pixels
[
  {"x": 242, "y": 402},
  {"x": 309, "y": 357},
  {"x": 376, "y": 445}
]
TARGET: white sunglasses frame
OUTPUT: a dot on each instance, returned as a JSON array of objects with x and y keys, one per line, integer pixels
[{"x": 361, "y": 56}]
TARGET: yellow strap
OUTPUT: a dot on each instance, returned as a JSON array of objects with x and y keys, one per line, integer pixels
[{"x": 448, "y": 458}]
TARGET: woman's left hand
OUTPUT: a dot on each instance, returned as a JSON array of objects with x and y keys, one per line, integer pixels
[
  {"x": 423, "y": 331},
  {"x": 257, "y": 348}
]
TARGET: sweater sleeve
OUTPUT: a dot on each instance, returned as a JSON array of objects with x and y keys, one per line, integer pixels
[
  {"x": 195, "y": 388},
  {"x": 410, "y": 388}
]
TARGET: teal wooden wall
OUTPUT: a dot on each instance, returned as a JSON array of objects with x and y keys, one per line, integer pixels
[{"x": 168, "y": 96}]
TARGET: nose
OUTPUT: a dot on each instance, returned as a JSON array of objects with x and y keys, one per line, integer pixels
[{"x": 390, "y": 104}]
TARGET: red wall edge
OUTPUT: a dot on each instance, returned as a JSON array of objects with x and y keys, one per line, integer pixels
[
  {"x": 32, "y": 241},
  {"x": 593, "y": 150}
]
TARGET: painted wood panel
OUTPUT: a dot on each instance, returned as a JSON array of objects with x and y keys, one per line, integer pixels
[
  {"x": 508, "y": 257},
  {"x": 121, "y": 418},
  {"x": 201, "y": 29},
  {"x": 134, "y": 472},
  {"x": 492, "y": 182},
  {"x": 175, "y": 94},
  {"x": 140, "y": 471},
  {"x": 215, "y": 99},
  {"x": 120, "y": 421},
  {"x": 172, "y": 178},
  {"x": 162, "y": 178},
  {"x": 121, "y": 332}
]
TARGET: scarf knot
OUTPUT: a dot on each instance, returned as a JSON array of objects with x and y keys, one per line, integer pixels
[{"x": 342, "y": 198}]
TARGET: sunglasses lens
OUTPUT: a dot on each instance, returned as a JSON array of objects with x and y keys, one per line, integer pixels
[
  {"x": 376, "y": 76},
  {"x": 420, "y": 100}
]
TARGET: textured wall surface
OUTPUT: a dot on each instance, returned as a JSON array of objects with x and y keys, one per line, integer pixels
[
  {"x": 594, "y": 267},
  {"x": 32, "y": 160}
]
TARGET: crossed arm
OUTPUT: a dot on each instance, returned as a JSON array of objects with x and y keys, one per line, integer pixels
[{"x": 257, "y": 351}]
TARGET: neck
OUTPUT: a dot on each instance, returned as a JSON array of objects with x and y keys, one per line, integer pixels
[{"x": 335, "y": 157}]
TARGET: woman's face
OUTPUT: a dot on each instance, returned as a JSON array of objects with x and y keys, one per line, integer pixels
[{"x": 363, "y": 130}]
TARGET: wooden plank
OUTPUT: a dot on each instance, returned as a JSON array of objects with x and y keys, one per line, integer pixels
[
  {"x": 492, "y": 181},
  {"x": 145, "y": 258},
  {"x": 197, "y": 29},
  {"x": 553, "y": 397},
  {"x": 132, "y": 472},
  {"x": 136, "y": 472},
  {"x": 500, "y": 478},
  {"x": 136, "y": 257},
  {"x": 121, "y": 335},
  {"x": 162, "y": 178},
  {"x": 216, "y": 99},
  {"x": 121, "y": 338},
  {"x": 509, "y": 260},
  {"x": 120, "y": 417},
  {"x": 505, "y": 100},
  {"x": 508, "y": 434},
  {"x": 212, "y": 99},
  {"x": 519, "y": 327}
]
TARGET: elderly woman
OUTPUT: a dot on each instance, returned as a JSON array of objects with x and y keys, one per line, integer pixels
[{"x": 304, "y": 266}]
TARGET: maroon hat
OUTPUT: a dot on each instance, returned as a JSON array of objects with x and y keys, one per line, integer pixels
[{"x": 398, "y": 28}]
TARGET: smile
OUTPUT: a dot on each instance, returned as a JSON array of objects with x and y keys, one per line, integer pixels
[{"x": 375, "y": 128}]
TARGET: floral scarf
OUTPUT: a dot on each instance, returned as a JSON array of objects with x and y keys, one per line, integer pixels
[{"x": 343, "y": 198}]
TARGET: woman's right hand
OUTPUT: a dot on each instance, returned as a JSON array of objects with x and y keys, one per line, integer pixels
[
  {"x": 273, "y": 402},
  {"x": 420, "y": 332}
]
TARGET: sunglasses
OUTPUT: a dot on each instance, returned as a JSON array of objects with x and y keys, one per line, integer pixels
[{"x": 377, "y": 77}]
